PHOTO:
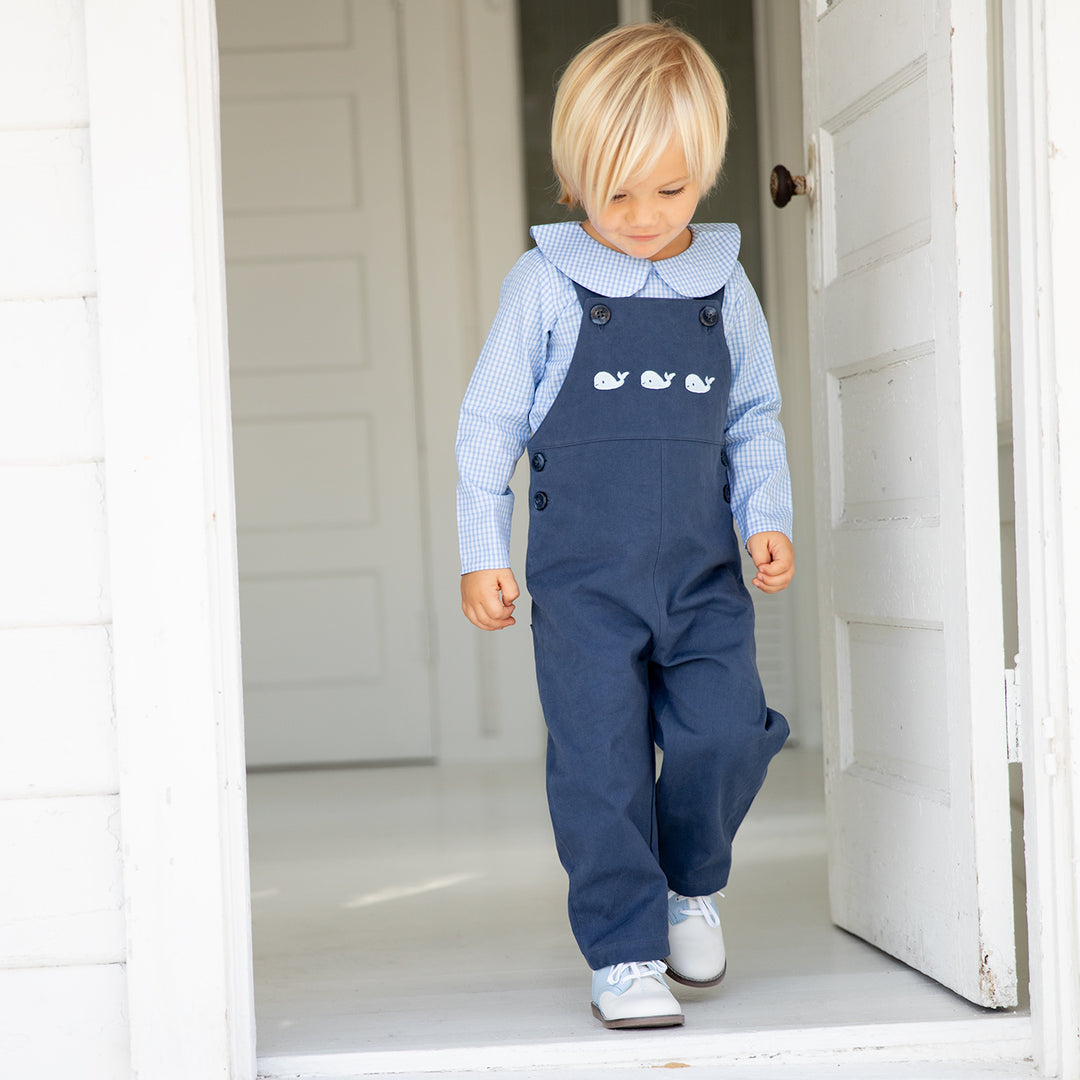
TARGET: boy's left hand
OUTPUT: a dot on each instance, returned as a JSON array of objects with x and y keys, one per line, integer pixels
[{"x": 774, "y": 558}]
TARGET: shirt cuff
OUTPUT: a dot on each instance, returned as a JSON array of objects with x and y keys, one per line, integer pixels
[
  {"x": 759, "y": 523},
  {"x": 484, "y": 529}
]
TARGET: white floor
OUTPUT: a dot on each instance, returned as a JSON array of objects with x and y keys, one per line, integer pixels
[{"x": 412, "y": 920}]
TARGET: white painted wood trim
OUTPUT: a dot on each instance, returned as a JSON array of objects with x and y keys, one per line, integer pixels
[
  {"x": 1042, "y": 148},
  {"x": 980, "y": 658},
  {"x": 989, "y": 1039},
  {"x": 172, "y": 537}
]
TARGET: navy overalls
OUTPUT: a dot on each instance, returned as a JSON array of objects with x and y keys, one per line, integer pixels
[{"x": 642, "y": 627}]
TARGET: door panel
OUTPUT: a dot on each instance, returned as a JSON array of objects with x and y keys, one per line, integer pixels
[
  {"x": 320, "y": 314},
  {"x": 907, "y": 516}
]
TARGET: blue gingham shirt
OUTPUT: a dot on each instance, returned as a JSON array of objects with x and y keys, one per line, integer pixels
[{"x": 529, "y": 349}]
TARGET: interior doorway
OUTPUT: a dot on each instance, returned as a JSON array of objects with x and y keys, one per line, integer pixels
[{"x": 369, "y": 883}]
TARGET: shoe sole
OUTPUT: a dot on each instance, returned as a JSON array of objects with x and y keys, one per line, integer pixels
[
  {"x": 670, "y": 1020},
  {"x": 701, "y": 984}
]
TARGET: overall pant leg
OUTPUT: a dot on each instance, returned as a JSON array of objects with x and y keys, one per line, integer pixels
[
  {"x": 594, "y": 687},
  {"x": 717, "y": 735}
]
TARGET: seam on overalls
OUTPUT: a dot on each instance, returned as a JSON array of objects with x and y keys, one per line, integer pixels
[
  {"x": 631, "y": 438},
  {"x": 660, "y": 621}
]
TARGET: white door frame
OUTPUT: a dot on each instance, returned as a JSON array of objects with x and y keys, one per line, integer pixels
[
  {"x": 1042, "y": 149},
  {"x": 156, "y": 178},
  {"x": 157, "y": 211}
]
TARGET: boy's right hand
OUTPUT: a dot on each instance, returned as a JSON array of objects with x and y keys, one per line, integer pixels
[{"x": 487, "y": 598}]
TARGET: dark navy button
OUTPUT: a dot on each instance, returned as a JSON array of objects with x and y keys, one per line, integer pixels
[
  {"x": 600, "y": 314},
  {"x": 539, "y": 461},
  {"x": 709, "y": 315},
  {"x": 540, "y": 500},
  {"x": 723, "y": 458},
  {"x": 727, "y": 493}
]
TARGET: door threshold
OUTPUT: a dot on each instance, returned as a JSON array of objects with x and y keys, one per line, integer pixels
[{"x": 990, "y": 1039}]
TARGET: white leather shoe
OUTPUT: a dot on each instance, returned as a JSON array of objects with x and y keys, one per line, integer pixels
[
  {"x": 634, "y": 996},
  {"x": 696, "y": 941}
]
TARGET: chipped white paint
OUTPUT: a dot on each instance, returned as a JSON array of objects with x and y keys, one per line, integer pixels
[{"x": 948, "y": 1044}]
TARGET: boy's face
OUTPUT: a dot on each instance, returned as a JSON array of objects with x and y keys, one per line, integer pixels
[{"x": 648, "y": 216}]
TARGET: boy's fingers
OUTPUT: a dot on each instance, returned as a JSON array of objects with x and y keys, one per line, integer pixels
[
  {"x": 481, "y": 617},
  {"x": 766, "y": 566},
  {"x": 510, "y": 590},
  {"x": 493, "y": 613},
  {"x": 773, "y": 583},
  {"x": 487, "y": 598},
  {"x": 770, "y": 586},
  {"x": 775, "y": 568},
  {"x": 490, "y": 613}
]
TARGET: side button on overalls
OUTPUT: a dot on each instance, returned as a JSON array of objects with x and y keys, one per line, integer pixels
[{"x": 642, "y": 627}]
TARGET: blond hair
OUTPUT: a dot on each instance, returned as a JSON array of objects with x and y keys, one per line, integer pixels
[{"x": 622, "y": 100}]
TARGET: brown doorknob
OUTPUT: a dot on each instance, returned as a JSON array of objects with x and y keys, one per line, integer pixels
[{"x": 782, "y": 185}]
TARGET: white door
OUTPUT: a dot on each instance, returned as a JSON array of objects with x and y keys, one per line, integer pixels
[
  {"x": 907, "y": 513},
  {"x": 320, "y": 312}
]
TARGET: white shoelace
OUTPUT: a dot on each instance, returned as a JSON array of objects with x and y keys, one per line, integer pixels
[
  {"x": 636, "y": 969},
  {"x": 704, "y": 906}
]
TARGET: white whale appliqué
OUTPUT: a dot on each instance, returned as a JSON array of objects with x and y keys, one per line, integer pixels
[
  {"x": 604, "y": 380},
  {"x": 696, "y": 386},
  {"x": 651, "y": 381}
]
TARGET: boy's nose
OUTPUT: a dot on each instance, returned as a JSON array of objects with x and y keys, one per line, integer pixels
[{"x": 645, "y": 214}]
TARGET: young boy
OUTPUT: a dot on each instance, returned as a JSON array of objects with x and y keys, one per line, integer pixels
[{"x": 630, "y": 356}]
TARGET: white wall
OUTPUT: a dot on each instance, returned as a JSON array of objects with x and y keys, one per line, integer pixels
[{"x": 62, "y": 990}]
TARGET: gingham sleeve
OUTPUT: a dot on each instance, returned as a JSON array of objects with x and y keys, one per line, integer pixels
[
  {"x": 493, "y": 427},
  {"x": 757, "y": 463}
]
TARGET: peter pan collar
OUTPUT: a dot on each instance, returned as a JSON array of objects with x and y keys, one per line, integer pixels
[{"x": 700, "y": 270}]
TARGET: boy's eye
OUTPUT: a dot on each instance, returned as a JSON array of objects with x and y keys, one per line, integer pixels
[{"x": 668, "y": 193}]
